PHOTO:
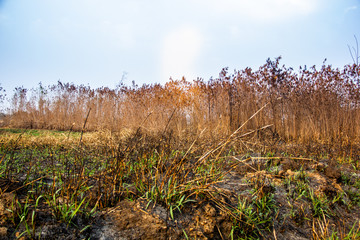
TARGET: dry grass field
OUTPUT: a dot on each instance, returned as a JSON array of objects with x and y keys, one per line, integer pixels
[{"x": 265, "y": 154}]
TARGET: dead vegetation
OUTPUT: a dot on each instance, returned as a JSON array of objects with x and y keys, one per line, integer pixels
[
  {"x": 267, "y": 154},
  {"x": 306, "y": 105},
  {"x": 57, "y": 188}
]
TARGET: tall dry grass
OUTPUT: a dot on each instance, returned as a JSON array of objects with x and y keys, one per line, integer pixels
[{"x": 305, "y": 105}]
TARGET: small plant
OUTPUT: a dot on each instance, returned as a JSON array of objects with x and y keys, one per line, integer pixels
[
  {"x": 345, "y": 178},
  {"x": 171, "y": 195},
  {"x": 302, "y": 175},
  {"x": 251, "y": 218},
  {"x": 66, "y": 210},
  {"x": 302, "y": 189},
  {"x": 320, "y": 204},
  {"x": 293, "y": 213},
  {"x": 26, "y": 216},
  {"x": 357, "y": 183},
  {"x": 274, "y": 170},
  {"x": 354, "y": 196},
  {"x": 246, "y": 219},
  {"x": 185, "y": 235},
  {"x": 354, "y": 232}
]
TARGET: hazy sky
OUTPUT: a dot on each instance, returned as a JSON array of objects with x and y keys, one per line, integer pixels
[{"x": 94, "y": 42}]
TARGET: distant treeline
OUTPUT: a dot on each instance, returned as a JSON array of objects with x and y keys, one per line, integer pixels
[{"x": 308, "y": 104}]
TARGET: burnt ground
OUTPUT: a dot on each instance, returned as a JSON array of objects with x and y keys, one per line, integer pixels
[{"x": 258, "y": 198}]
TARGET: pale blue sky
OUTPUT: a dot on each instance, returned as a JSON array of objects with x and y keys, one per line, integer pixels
[{"x": 95, "y": 41}]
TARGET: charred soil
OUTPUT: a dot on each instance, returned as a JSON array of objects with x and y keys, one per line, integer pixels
[{"x": 135, "y": 190}]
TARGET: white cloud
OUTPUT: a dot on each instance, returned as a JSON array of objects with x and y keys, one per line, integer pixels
[
  {"x": 352, "y": 8},
  {"x": 180, "y": 51}
]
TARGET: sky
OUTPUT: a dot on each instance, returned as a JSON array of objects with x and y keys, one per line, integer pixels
[{"x": 101, "y": 42}]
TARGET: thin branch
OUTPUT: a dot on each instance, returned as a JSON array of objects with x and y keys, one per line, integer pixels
[
  {"x": 82, "y": 130},
  {"x": 354, "y": 52}
]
